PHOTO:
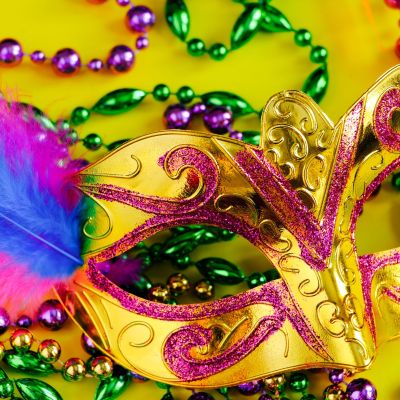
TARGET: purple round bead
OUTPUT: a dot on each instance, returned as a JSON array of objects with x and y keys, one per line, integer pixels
[
  {"x": 201, "y": 396},
  {"x": 66, "y": 61},
  {"x": 177, "y": 116},
  {"x": 249, "y": 388},
  {"x": 236, "y": 135},
  {"x": 336, "y": 376},
  {"x": 4, "y": 320},
  {"x": 265, "y": 397},
  {"x": 88, "y": 345},
  {"x": 198, "y": 108},
  {"x": 10, "y": 52},
  {"x": 123, "y": 3},
  {"x": 24, "y": 321},
  {"x": 38, "y": 57},
  {"x": 142, "y": 42},
  {"x": 139, "y": 18},
  {"x": 361, "y": 389},
  {"x": 120, "y": 59},
  {"x": 218, "y": 119},
  {"x": 95, "y": 65},
  {"x": 51, "y": 315}
]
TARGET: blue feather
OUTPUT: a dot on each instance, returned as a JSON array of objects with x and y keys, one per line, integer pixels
[{"x": 35, "y": 229}]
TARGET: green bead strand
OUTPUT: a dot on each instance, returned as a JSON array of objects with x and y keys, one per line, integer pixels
[
  {"x": 93, "y": 141},
  {"x": 161, "y": 92},
  {"x": 303, "y": 37},
  {"x": 318, "y": 54},
  {"x": 396, "y": 180},
  {"x": 256, "y": 279},
  {"x": 218, "y": 51},
  {"x": 298, "y": 382},
  {"x": 185, "y": 94},
  {"x": 80, "y": 115},
  {"x": 196, "y": 47}
]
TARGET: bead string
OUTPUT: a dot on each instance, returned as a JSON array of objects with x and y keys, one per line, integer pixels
[
  {"x": 257, "y": 17},
  {"x": 396, "y": 5},
  {"x": 67, "y": 61}
]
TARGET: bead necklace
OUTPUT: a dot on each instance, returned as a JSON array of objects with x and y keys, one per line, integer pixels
[
  {"x": 395, "y": 4},
  {"x": 257, "y": 17},
  {"x": 67, "y": 61}
]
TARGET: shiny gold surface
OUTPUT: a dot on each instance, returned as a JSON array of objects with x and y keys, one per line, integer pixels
[{"x": 301, "y": 141}]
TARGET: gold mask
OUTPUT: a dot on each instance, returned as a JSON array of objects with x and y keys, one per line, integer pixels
[{"x": 296, "y": 197}]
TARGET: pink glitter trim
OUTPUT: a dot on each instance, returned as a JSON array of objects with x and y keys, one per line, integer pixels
[{"x": 388, "y": 103}]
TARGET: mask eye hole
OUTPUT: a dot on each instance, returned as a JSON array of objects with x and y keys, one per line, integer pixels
[
  {"x": 378, "y": 227},
  {"x": 200, "y": 253},
  {"x": 395, "y": 120}
]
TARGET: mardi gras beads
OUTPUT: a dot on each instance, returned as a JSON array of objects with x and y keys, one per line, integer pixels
[
  {"x": 67, "y": 61},
  {"x": 256, "y": 17}
]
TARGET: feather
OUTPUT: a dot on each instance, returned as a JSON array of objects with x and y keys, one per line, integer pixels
[{"x": 40, "y": 211}]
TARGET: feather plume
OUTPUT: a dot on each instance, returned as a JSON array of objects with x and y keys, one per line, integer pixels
[{"x": 39, "y": 210}]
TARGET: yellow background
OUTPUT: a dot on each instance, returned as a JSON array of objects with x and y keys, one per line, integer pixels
[{"x": 359, "y": 35}]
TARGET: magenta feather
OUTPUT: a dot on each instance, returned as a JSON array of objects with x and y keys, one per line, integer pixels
[{"x": 40, "y": 211}]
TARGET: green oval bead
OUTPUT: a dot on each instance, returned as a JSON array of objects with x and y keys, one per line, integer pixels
[
  {"x": 112, "y": 387},
  {"x": 63, "y": 125},
  {"x": 251, "y": 137},
  {"x": 119, "y": 101},
  {"x": 247, "y": 25},
  {"x": 185, "y": 94},
  {"x": 271, "y": 275},
  {"x": 196, "y": 47},
  {"x": 6, "y": 388},
  {"x": 181, "y": 244},
  {"x": 235, "y": 103},
  {"x": 161, "y": 92},
  {"x": 308, "y": 397},
  {"x": 298, "y": 382},
  {"x": 167, "y": 396},
  {"x": 28, "y": 362},
  {"x": 218, "y": 51},
  {"x": 316, "y": 84},
  {"x": 223, "y": 390},
  {"x": 178, "y": 18},
  {"x": 302, "y": 37},
  {"x": 396, "y": 180},
  {"x": 141, "y": 286},
  {"x": 318, "y": 54},
  {"x": 118, "y": 143},
  {"x": 256, "y": 279},
  {"x": 182, "y": 262},
  {"x": 163, "y": 385},
  {"x": 80, "y": 115},
  {"x": 33, "y": 389},
  {"x": 227, "y": 235},
  {"x": 274, "y": 21},
  {"x": 92, "y": 141},
  {"x": 219, "y": 270}
]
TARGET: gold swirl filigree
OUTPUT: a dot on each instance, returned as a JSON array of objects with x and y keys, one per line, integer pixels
[
  {"x": 330, "y": 320},
  {"x": 347, "y": 275},
  {"x": 305, "y": 282},
  {"x": 374, "y": 161},
  {"x": 93, "y": 220},
  {"x": 313, "y": 186},
  {"x": 232, "y": 205},
  {"x": 273, "y": 235},
  {"x": 354, "y": 310},
  {"x": 307, "y": 198}
]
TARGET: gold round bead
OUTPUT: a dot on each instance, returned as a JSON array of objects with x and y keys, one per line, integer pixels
[
  {"x": 21, "y": 340},
  {"x": 159, "y": 293},
  {"x": 334, "y": 392},
  {"x": 74, "y": 369},
  {"x": 49, "y": 351},
  {"x": 204, "y": 289},
  {"x": 102, "y": 367},
  {"x": 275, "y": 383},
  {"x": 178, "y": 284}
]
